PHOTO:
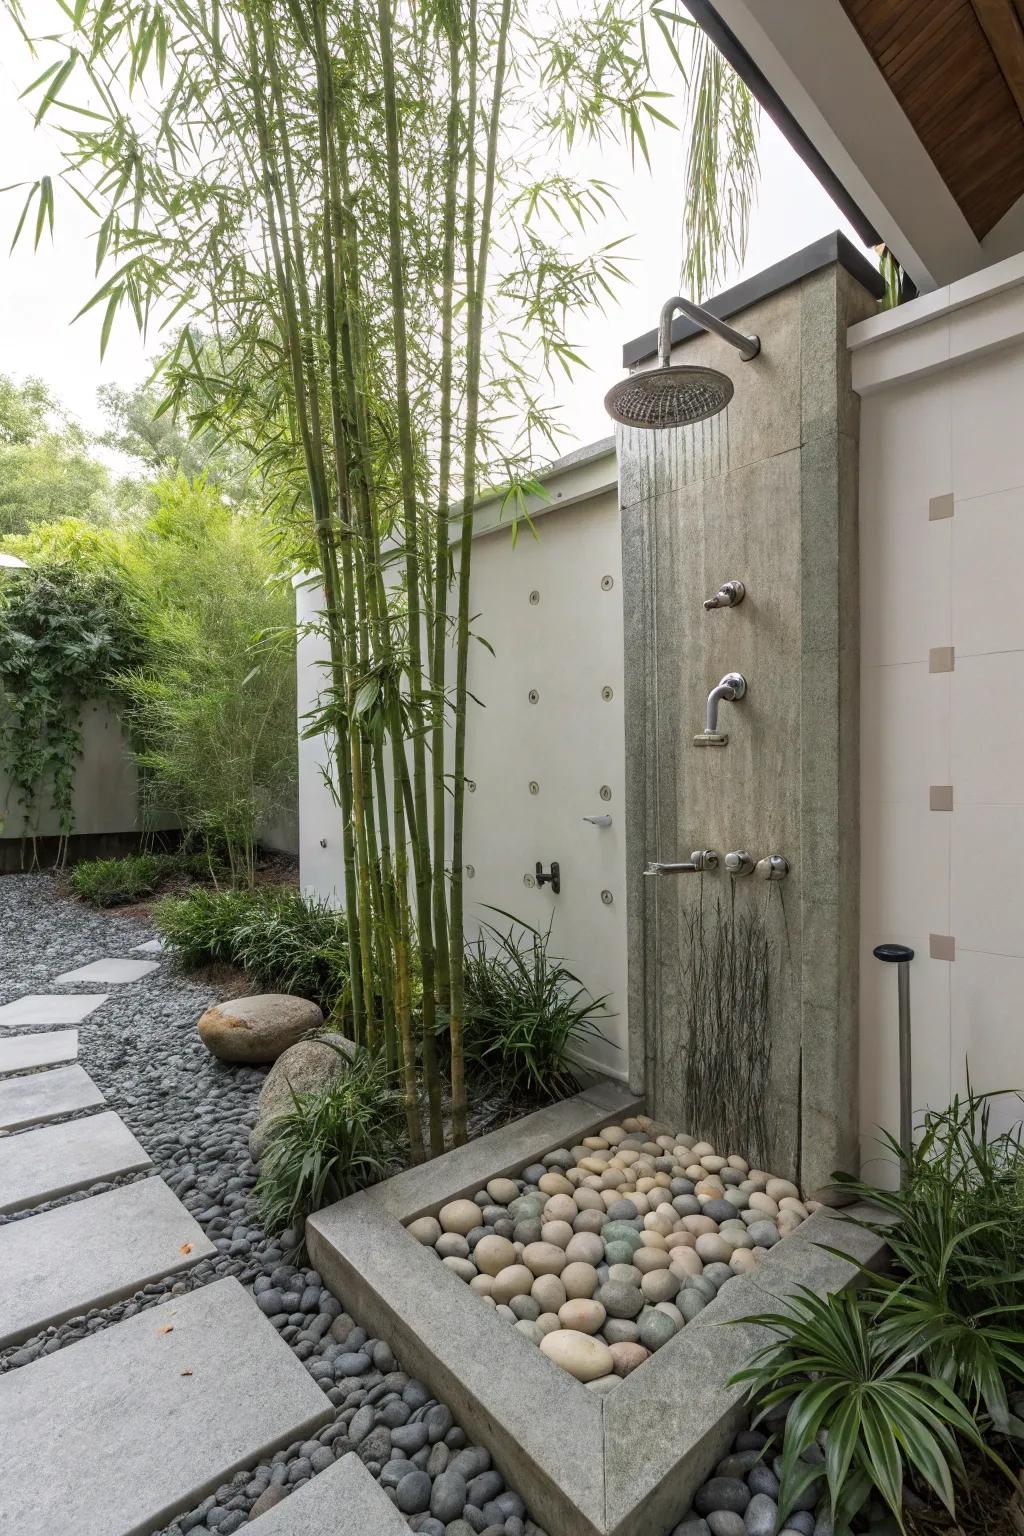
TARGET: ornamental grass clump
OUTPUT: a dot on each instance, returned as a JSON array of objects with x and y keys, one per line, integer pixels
[
  {"x": 331, "y": 1142},
  {"x": 526, "y": 1012},
  {"x": 283, "y": 940}
]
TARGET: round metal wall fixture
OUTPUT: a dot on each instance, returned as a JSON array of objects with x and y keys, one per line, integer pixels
[
  {"x": 607, "y": 898},
  {"x": 607, "y": 693},
  {"x": 529, "y": 881},
  {"x": 533, "y": 696},
  {"x": 470, "y": 871},
  {"x": 534, "y": 787},
  {"x": 535, "y": 597},
  {"x": 605, "y": 791},
  {"x": 607, "y": 582},
  {"x": 668, "y": 397},
  {"x": 471, "y": 786}
]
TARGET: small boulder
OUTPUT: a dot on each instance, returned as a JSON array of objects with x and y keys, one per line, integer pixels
[
  {"x": 257, "y": 1028},
  {"x": 311, "y": 1064}
]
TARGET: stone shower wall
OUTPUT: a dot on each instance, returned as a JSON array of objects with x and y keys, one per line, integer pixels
[{"x": 767, "y": 493}]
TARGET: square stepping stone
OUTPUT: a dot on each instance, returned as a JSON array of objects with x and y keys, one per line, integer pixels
[
  {"x": 57, "y": 1159},
  {"x": 123, "y": 1430},
  {"x": 45, "y": 1095},
  {"x": 51, "y": 1008},
  {"x": 91, "y": 1253},
  {"x": 346, "y": 1500},
  {"x": 19, "y": 1052},
  {"x": 151, "y": 947},
  {"x": 109, "y": 972}
]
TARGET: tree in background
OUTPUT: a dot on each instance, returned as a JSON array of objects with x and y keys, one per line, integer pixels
[
  {"x": 364, "y": 212},
  {"x": 47, "y": 471},
  {"x": 210, "y": 704}
]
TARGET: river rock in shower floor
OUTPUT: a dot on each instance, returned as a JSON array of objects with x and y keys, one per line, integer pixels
[{"x": 600, "y": 1253}]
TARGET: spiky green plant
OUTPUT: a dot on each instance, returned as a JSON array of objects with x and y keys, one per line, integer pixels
[
  {"x": 527, "y": 1013},
  {"x": 886, "y": 1418},
  {"x": 331, "y": 1142}
]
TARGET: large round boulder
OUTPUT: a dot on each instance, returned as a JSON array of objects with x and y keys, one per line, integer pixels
[
  {"x": 257, "y": 1028},
  {"x": 310, "y": 1065}
]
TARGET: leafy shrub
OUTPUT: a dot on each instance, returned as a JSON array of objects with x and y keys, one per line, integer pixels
[
  {"x": 113, "y": 882},
  {"x": 66, "y": 623},
  {"x": 923, "y": 1361},
  {"x": 211, "y": 705},
  {"x": 282, "y": 939},
  {"x": 110, "y": 882},
  {"x": 331, "y": 1142},
  {"x": 525, "y": 1011}
]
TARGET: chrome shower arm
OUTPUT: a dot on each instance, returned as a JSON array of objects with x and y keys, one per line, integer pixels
[
  {"x": 747, "y": 346},
  {"x": 733, "y": 686}
]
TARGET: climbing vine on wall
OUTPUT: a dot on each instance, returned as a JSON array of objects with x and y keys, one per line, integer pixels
[{"x": 64, "y": 630}]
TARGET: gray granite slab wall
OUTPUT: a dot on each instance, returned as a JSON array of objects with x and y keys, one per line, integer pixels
[{"x": 766, "y": 493}]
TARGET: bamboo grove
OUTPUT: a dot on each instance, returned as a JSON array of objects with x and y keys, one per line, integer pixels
[{"x": 351, "y": 221}]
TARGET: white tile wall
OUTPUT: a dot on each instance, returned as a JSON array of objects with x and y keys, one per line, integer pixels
[{"x": 958, "y": 582}]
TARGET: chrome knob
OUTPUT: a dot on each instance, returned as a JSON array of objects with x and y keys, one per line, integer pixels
[
  {"x": 775, "y": 866},
  {"x": 704, "y": 858},
  {"x": 599, "y": 821},
  {"x": 728, "y": 595},
  {"x": 739, "y": 863}
]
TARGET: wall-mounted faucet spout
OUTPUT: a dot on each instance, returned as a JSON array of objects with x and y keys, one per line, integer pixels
[{"x": 733, "y": 686}]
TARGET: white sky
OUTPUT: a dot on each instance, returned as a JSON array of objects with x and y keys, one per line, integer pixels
[{"x": 41, "y": 291}]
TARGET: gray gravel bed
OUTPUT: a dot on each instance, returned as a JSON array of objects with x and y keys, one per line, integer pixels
[{"x": 193, "y": 1116}]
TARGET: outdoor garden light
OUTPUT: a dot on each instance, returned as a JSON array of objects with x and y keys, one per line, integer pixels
[{"x": 669, "y": 396}]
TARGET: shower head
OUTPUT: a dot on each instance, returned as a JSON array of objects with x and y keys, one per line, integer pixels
[{"x": 669, "y": 396}]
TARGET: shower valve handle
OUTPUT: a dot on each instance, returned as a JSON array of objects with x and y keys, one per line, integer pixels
[
  {"x": 775, "y": 866},
  {"x": 739, "y": 863},
  {"x": 729, "y": 594},
  {"x": 599, "y": 821}
]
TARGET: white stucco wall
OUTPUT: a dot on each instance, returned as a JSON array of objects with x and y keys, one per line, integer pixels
[
  {"x": 567, "y": 646},
  {"x": 942, "y": 385}
]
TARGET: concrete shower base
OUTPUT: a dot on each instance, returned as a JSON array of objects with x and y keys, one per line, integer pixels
[{"x": 587, "y": 1465}]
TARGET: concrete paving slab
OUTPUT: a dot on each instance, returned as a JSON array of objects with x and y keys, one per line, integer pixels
[
  {"x": 54, "y": 1160},
  {"x": 45, "y": 1095},
  {"x": 91, "y": 1253},
  {"x": 20, "y": 1052},
  {"x": 109, "y": 972},
  {"x": 346, "y": 1500},
  {"x": 150, "y": 947},
  {"x": 50, "y": 1008},
  {"x": 118, "y": 1433}
]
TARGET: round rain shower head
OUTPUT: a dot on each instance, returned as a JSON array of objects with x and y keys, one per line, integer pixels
[{"x": 668, "y": 397}]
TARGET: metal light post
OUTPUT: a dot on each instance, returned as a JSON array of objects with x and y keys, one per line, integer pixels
[{"x": 901, "y": 955}]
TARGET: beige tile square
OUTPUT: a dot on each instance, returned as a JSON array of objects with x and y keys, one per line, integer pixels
[
  {"x": 941, "y": 658},
  {"x": 940, "y": 507},
  {"x": 942, "y": 946},
  {"x": 940, "y": 797}
]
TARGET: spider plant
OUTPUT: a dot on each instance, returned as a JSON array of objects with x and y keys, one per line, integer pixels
[{"x": 885, "y": 1417}]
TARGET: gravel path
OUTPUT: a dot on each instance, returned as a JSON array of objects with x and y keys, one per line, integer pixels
[{"x": 193, "y": 1116}]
